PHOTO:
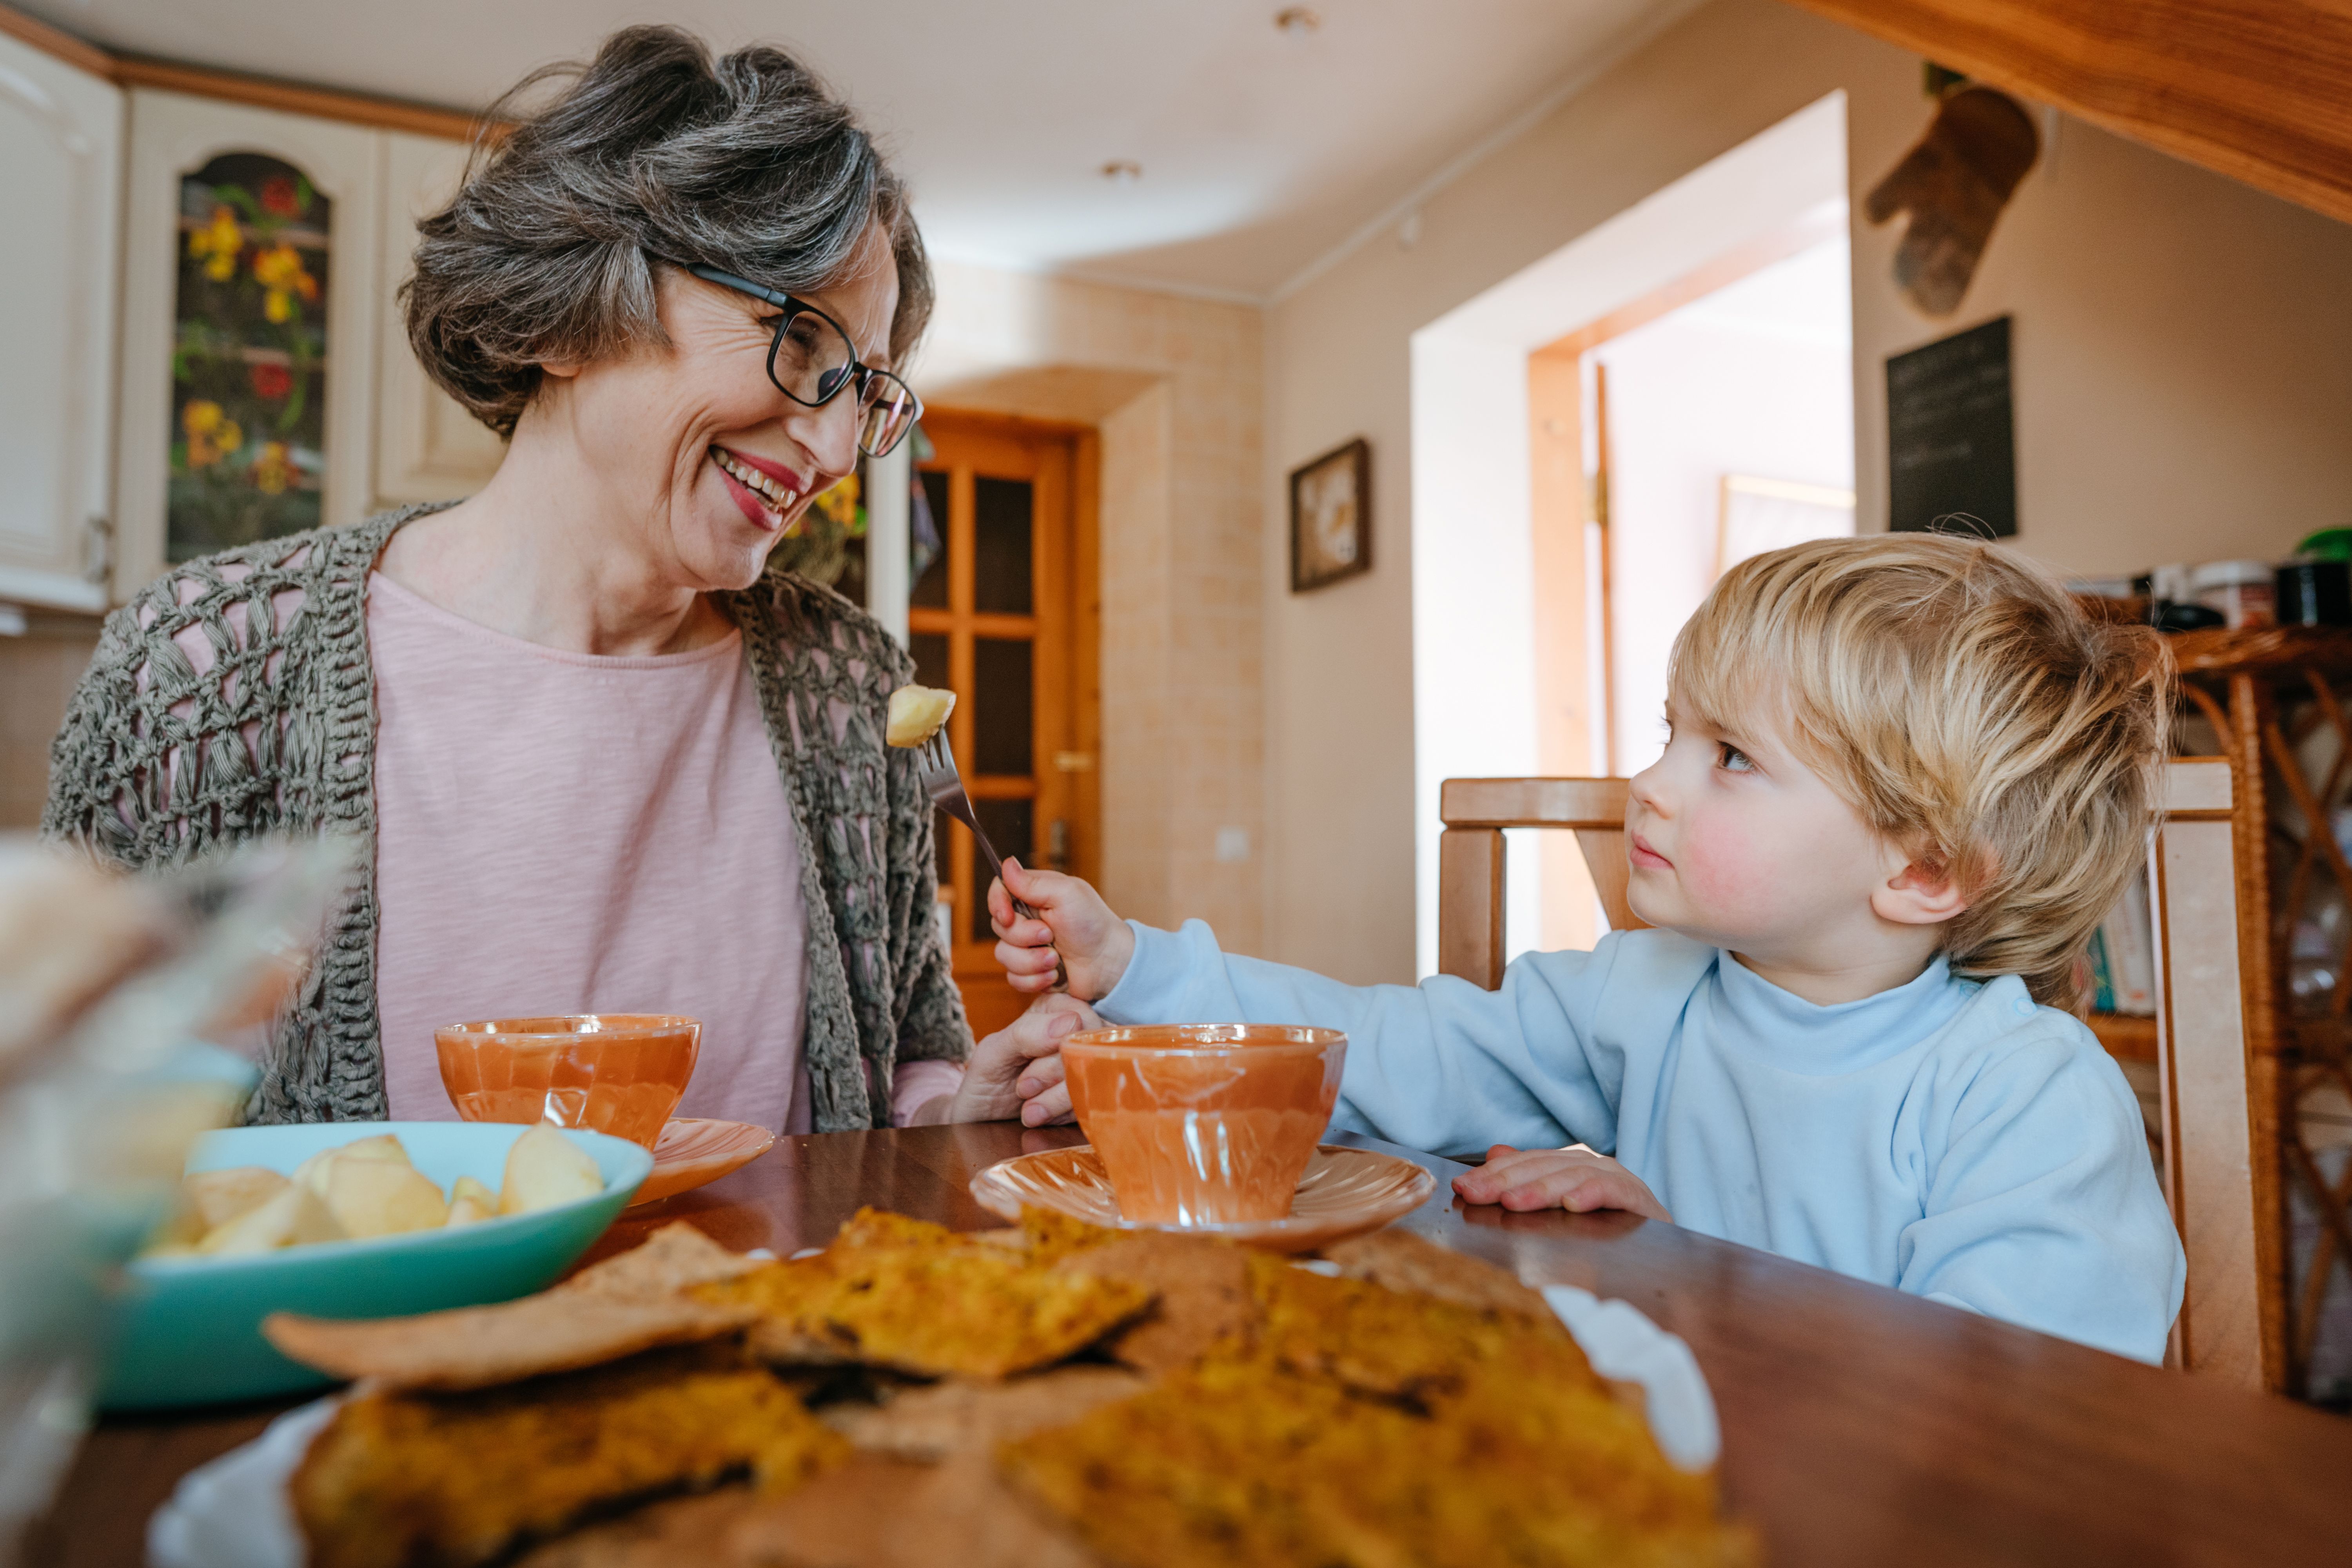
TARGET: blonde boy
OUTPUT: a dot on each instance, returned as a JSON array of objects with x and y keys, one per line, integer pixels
[{"x": 1904, "y": 779}]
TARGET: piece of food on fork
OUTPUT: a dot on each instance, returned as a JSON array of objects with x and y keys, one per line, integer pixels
[{"x": 917, "y": 712}]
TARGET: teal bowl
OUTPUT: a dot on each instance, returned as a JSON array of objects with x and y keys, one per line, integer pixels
[{"x": 189, "y": 1329}]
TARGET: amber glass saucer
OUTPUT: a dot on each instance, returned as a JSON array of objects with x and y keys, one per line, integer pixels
[
  {"x": 692, "y": 1152},
  {"x": 1344, "y": 1192}
]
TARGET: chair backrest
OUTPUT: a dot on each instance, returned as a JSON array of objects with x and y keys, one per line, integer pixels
[
  {"x": 1470, "y": 873},
  {"x": 2219, "y": 1105}
]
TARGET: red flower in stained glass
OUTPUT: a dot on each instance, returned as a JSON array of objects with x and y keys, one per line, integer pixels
[
  {"x": 272, "y": 380},
  {"x": 280, "y": 198}
]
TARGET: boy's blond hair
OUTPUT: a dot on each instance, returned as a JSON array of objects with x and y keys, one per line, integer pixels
[{"x": 1961, "y": 701}]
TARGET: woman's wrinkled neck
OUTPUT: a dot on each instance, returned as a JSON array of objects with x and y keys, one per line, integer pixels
[{"x": 555, "y": 552}]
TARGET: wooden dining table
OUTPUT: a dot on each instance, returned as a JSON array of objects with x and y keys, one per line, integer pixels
[{"x": 1859, "y": 1426}]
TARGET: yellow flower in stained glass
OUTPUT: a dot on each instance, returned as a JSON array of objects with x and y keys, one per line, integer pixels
[
  {"x": 273, "y": 470},
  {"x": 838, "y": 506},
  {"x": 217, "y": 245},
  {"x": 212, "y": 434},
  {"x": 282, "y": 276}
]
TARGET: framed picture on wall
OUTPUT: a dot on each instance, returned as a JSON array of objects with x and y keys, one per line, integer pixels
[{"x": 1331, "y": 517}]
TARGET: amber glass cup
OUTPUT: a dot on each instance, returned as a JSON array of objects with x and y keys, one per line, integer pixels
[
  {"x": 621, "y": 1073},
  {"x": 1205, "y": 1123}
]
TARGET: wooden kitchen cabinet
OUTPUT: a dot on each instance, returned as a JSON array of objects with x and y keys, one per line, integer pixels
[
  {"x": 60, "y": 182},
  {"x": 427, "y": 446},
  {"x": 189, "y": 480}
]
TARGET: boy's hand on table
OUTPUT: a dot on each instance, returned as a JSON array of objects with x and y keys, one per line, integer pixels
[
  {"x": 1575, "y": 1179},
  {"x": 1076, "y": 929},
  {"x": 1018, "y": 1071}
]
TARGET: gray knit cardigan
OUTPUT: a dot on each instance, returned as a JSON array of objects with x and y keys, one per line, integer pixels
[{"x": 279, "y": 736}]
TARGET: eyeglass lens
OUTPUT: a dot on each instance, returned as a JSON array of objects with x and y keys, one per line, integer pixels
[{"x": 812, "y": 359}]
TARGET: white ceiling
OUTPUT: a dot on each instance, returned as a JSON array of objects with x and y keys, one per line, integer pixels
[{"x": 1262, "y": 150}]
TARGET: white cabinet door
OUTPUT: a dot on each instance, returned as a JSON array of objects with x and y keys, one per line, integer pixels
[
  {"x": 427, "y": 446},
  {"x": 62, "y": 176},
  {"x": 173, "y": 136}
]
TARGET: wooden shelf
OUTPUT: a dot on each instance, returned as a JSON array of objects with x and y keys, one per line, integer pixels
[
  {"x": 2124, "y": 1034},
  {"x": 2259, "y": 649}
]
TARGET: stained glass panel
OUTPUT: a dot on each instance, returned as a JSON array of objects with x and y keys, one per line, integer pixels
[{"x": 249, "y": 362}]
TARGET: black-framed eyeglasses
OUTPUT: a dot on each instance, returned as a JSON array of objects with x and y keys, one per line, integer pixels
[{"x": 811, "y": 362}]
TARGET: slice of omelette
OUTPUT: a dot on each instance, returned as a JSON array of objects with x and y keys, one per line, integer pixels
[
  {"x": 407, "y": 1480},
  {"x": 915, "y": 1298}
]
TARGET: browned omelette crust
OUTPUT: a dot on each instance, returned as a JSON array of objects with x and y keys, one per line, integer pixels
[
  {"x": 1403, "y": 1262},
  {"x": 480, "y": 1347},
  {"x": 926, "y": 1425},
  {"x": 400, "y": 1480},
  {"x": 1380, "y": 1342},
  {"x": 897, "y": 1293},
  {"x": 664, "y": 1264},
  {"x": 1203, "y": 1288},
  {"x": 881, "y": 1514},
  {"x": 1239, "y": 1461},
  {"x": 1374, "y": 1427},
  {"x": 1052, "y": 1237}
]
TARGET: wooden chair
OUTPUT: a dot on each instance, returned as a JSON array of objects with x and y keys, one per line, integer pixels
[{"x": 2220, "y": 1176}]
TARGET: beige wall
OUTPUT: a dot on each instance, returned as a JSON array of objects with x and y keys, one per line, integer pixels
[
  {"x": 1173, "y": 386},
  {"x": 2183, "y": 358},
  {"x": 37, "y": 674}
]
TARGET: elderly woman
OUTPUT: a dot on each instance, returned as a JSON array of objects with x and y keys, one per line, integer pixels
[{"x": 605, "y": 757}]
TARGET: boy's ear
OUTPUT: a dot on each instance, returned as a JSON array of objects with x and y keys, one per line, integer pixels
[{"x": 1923, "y": 893}]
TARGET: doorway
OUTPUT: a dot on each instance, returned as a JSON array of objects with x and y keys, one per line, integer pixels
[
  {"x": 1004, "y": 613},
  {"x": 1533, "y": 545}
]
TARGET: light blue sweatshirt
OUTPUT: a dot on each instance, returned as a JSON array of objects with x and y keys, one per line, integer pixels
[{"x": 1949, "y": 1137}]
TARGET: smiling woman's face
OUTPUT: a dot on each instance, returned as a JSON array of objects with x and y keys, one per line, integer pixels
[{"x": 661, "y": 427}]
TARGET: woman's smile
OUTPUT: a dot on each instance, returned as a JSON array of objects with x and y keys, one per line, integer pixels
[{"x": 764, "y": 491}]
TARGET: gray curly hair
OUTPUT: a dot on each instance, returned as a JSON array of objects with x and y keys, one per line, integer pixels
[{"x": 655, "y": 152}]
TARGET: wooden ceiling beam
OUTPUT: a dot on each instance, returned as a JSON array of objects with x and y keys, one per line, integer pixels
[{"x": 2259, "y": 91}]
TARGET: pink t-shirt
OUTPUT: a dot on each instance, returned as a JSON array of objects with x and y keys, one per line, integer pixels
[{"x": 568, "y": 833}]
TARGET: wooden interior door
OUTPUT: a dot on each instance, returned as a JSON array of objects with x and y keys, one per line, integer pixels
[{"x": 1004, "y": 616}]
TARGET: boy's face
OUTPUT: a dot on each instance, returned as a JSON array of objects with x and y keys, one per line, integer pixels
[{"x": 1736, "y": 842}]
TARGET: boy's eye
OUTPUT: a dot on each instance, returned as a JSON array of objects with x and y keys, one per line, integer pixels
[{"x": 1733, "y": 759}]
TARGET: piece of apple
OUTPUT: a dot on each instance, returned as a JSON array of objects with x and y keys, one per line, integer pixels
[
  {"x": 375, "y": 1197},
  {"x": 313, "y": 1172},
  {"x": 470, "y": 1203},
  {"x": 219, "y": 1196},
  {"x": 917, "y": 712},
  {"x": 544, "y": 1168},
  {"x": 295, "y": 1217}
]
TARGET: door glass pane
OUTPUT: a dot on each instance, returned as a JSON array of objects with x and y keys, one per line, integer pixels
[
  {"x": 247, "y": 455},
  {"x": 930, "y": 651},
  {"x": 1008, "y": 824},
  {"x": 1001, "y": 534},
  {"x": 999, "y": 706},
  {"x": 943, "y": 830},
  {"x": 928, "y": 550}
]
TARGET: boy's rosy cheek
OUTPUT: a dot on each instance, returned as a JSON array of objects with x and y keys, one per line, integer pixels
[{"x": 1724, "y": 866}]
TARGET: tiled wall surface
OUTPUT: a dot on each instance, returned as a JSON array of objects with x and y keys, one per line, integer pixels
[{"x": 1174, "y": 386}]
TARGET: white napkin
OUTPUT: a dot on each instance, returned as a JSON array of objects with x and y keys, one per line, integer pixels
[
  {"x": 1621, "y": 1343},
  {"x": 234, "y": 1512}
]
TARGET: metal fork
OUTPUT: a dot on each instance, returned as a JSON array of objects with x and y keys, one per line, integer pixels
[{"x": 936, "y": 771}]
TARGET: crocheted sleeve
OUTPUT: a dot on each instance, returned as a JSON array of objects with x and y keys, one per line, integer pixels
[
  {"x": 178, "y": 736},
  {"x": 831, "y": 674}
]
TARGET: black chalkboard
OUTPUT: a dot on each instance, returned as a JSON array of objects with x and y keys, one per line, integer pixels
[{"x": 1951, "y": 452}]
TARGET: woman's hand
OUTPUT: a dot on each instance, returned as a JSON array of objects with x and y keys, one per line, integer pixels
[
  {"x": 1075, "y": 928},
  {"x": 1575, "y": 1179},
  {"x": 1018, "y": 1071}
]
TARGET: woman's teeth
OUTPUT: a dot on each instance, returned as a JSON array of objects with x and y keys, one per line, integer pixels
[{"x": 774, "y": 490}]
